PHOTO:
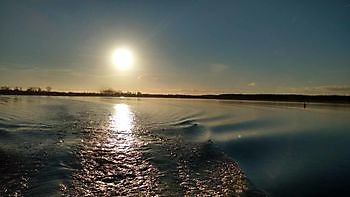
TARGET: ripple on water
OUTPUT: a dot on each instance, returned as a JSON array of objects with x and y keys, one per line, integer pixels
[
  {"x": 117, "y": 156},
  {"x": 114, "y": 168},
  {"x": 196, "y": 169},
  {"x": 128, "y": 160},
  {"x": 111, "y": 161}
]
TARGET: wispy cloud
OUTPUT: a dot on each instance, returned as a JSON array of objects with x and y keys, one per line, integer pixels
[
  {"x": 329, "y": 89},
  {"x": 218, "y": 68},
  {"x": 337, "y": 88},
  {"x": 148, "y": 77},
  {"x": 252, "y": 84},
  {"x": 32, "y": 67},
  {"x": 14, "y": 66}
]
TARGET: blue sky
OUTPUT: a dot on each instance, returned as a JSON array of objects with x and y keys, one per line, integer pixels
[{"x": 179, "y": 46}]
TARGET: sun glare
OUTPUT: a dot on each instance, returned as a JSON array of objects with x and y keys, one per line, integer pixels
[{"x": 123, "y": 58}]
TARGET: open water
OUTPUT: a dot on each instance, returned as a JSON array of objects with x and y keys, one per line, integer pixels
[{"x": 75, "y": 146}]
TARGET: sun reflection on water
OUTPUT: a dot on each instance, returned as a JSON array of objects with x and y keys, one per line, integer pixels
[
  {"x": 111, "y": 158},
  {"x": 123, "y": 119},
  {"x": 121, "y": 125}
]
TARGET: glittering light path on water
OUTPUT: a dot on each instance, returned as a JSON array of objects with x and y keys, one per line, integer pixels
[
  {"x": 111, "y": 161},
  {"x": 120, "y": 158},
  {"x": 121, "y": 126}
]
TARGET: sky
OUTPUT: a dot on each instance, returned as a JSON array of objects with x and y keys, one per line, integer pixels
[{"x": 184, "y": 46}]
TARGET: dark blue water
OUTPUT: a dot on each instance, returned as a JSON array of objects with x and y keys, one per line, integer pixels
[{"x": 116, "y": 146}]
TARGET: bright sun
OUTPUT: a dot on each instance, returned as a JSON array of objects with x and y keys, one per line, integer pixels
[{"x": 123, "y": 58}]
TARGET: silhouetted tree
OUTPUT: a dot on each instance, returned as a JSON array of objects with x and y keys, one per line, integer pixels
[
  {"x": 17, "y": 89},
  {"x": 33, "y": 89},
  {"x": 48, "y": 89},
  {"x": 108, "y": 91},
  {"x": 5, "y": 88}
]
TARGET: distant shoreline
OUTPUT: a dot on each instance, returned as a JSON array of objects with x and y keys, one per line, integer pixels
[{"x": 244, "y": 97}]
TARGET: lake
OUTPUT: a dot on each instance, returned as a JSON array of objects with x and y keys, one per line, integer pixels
[{"x": 78, "y": 146}]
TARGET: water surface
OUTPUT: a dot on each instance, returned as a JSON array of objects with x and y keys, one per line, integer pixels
[{"x": 116, "y": 146}]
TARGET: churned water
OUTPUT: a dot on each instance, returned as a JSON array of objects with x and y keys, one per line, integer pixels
[{"x": 52, "y": 146}]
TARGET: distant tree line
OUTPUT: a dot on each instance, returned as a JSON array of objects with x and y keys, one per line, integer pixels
[
  {"x": 111, "y": 92},
  {"x": 20, "y": 89},
  {"x": 6, "y": 90}
]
